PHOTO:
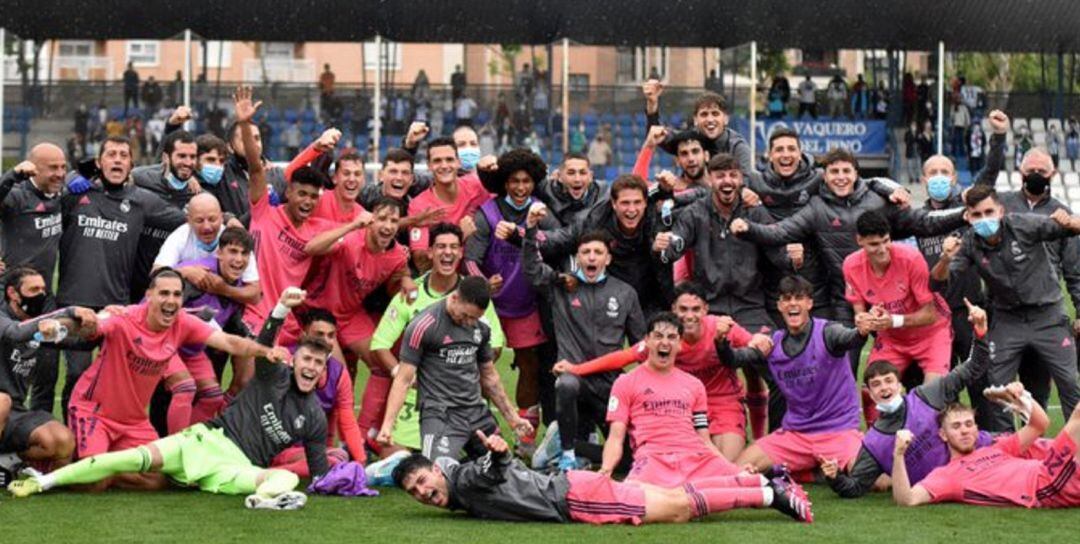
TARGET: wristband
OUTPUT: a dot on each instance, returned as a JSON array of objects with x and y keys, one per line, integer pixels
[
  {"x": 280, "y": 311},
  {"x": 897, "y": 321}
]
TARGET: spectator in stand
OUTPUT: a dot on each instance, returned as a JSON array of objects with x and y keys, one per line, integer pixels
[
  {"x": 781, "y": 83},
  {"x": 464, "y": 110},
  {"x": 151, "y": 95},
  {"x": 925, "y": 143},
  {"x": 910, "y": 97},
  {"x": 837, "y": 93},
  {"x": 292, "y": 139},
  {"x": 420, "y": 88},
  {"x": 599, "y": 155},
  {"x": 961, "y": 119},
  {"x": 578, "y": 140},
  {"x": 1072, "y": 140},
  {"x": 82, "y": 122},
  {"x": 911, "y": 153},
  {"x": 131, "y": 88},
  {"x": 1053, "y": 144},
  {"x": 178, "y": 89},
  {"x": 775, "y": 102},
  {"x": 1023, "y": 144},
  {"x": 326, "y": 86},
  {"x": 861, "y": 101},
  {"x": 922, "y": 101},
  {"x": 969, "y": 95},
  {"x": 808, "y": 98},
  {"x": 976, "y": 148},
  {"x": 457, "y": 82},
  {"x": 880, "y": 100},
  {"x": 714, "y": 83}
]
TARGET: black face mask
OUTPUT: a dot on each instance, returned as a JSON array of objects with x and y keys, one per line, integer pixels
[
  {"x": 33, "y": 306},
  {"x": 1036, "y": 183}
]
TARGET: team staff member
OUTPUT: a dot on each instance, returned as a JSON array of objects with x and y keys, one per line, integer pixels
[{"x": 1010, "y": 254}]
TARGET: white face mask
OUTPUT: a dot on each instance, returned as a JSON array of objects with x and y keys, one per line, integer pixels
[{"x": 891, "y": 405}]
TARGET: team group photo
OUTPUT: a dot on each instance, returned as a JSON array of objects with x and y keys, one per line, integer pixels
[{"x": 482, "y": 272}]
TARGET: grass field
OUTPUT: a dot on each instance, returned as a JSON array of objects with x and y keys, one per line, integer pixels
[{"x": 189, "y": 516}]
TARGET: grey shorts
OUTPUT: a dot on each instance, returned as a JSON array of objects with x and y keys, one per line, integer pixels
[{"x": 446, "y": 432}]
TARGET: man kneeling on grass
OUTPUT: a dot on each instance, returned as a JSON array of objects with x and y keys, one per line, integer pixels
[{"x": 226, "y": 454}]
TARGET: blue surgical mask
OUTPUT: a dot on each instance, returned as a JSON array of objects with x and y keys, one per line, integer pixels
[
  {"x": 939, "y": 187},
  {"x": 580, "y": 274},
  {"x": 469, "y": 157},
  {"x": 211, "y": 173},
  {"x": 209, "y": 248},
  {"x": 175, "y": 183},
  {"x": 510, "y": 202},
  {"x": 891, "y": 405},
  {"x": 987, "y": 228}
]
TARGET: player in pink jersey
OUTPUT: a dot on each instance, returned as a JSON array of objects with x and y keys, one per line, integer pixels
[
  {"x": 698, "y": 357},
  {"x": 460, "y": 197},
  {"x": 891, "y": 282},
  {"x": 341, "y": 204},
  {"x": 283, "y": 234},
  {"x": 666, "y": 412},
  {"x": 139, "y": 345},
  {"x": 1006, "y": 473}
]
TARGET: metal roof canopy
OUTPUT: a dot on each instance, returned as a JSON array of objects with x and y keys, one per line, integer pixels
[{"x": 964, "y": 25}]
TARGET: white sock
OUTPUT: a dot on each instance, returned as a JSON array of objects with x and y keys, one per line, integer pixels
[
  {"x": 46, "y": 481},
  {"x": 769, "y": 495},
  {"x": 568, "y": 453}
]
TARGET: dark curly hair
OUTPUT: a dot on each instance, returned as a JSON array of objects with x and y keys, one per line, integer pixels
[{"x": 510, "y": 162}]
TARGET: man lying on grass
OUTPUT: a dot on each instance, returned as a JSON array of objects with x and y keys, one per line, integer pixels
[
  {"x": 496, "y": 486},
  {"x": 1017, "y": 470},
  {"x": 226, "y": 454}
]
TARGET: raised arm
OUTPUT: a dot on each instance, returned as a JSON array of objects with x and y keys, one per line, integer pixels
[
  {"x": 324, "y": 144},
  {"x": 324, "y": 242},
  {"x": 903, "y": 492},
  {"x": 995, "y": 156},
  {"x": 840, "y": 339},
  {"x": 939, "y": 393},
  {"x": 1016, "y": 399},
  {"x": 245, "y": 113},
  {"x": 797, "y": 228}
]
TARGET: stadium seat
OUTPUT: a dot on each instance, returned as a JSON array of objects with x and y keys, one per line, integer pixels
[
  {"x": 1054, "y": 123},
  {"x": 1072, "y": 179},
  {"x": 1039, "y": 138},
  {"x": 611, "y": 172},
  {"x": 1019, "y": 122},
  {"x": 1073, "y": 193},
  {"x": 1002, "y": 178},
  {"x": 1065, "y": 165},
  {"x": 1037, "y": 124}
]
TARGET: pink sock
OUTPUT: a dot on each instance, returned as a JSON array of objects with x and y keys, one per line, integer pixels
[
  {"x": 710, "y": 501},
  {"x": 179, "y": 415},
  {"x": 757, "y": 403},
  {"x": 373, "y": 403},
  {"x": 727, "y": 482},
  {"x": 208, "y": 402}
]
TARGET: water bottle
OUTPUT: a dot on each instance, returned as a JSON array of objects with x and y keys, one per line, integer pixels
[{"x": 61, "y": 333}]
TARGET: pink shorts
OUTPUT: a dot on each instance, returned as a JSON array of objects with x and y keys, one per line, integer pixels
[
  {"x": 523, "y": 332},
  {"x": 350, "y": 330},
  {"x": 675, "y": 469},
  {"x": 96, "y": 434},
  {"x": 727, "y": 418},
  {"x": 800, "y": 451},
  {"x": 597, "y": 499},
  {"x": 931, "y": 353},
  {"x": 1059, "y": 481},
  {"x": 200, "y": 367}
]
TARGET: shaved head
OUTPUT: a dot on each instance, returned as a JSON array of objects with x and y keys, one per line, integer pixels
[
  {"x": 51, "y": 166},
  {"x": 939, "y": 165},
  {"x": 202, "y": 203}
]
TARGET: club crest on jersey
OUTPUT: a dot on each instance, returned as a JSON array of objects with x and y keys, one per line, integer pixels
[
  {"x": 1015, "y": 248},
  {"x": 613, "y": 403},
  {"x": 804, "y": 197},
  {"x": 477, "y": 336},
  {"x": 613, "y": 307},
  {"x": 125, "y": 205},
  {"x": 298, "y": 423},
  {"x": 415, "y": 235}
]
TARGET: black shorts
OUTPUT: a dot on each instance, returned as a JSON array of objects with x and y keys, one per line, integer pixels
[{"x": 21, "y": 424}]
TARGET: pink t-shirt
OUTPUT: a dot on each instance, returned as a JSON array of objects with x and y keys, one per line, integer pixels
[
  {"x": 329, "y": 209},
  {"x": 471, "y": 195},
  {"x": 279, "y": 253},
  {"x": 903, "y": 289},
  {"x": 992, "y": 476},
  {"x": 132, "y": 361},
  {"x": 659, "y": 410},
  {"x": 702, "y": 361},
  {"x": 352, "y": 272}
]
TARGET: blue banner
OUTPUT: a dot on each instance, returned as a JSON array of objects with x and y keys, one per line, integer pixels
[{"x": 861, "y": 137}]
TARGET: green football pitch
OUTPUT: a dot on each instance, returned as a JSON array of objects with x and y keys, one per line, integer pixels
[{"x": 190, "y": 516}]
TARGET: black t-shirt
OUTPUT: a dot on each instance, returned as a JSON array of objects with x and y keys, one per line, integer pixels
[
  {"x": 32, "y": 226},
  {"x": 153, "y": 237}
]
